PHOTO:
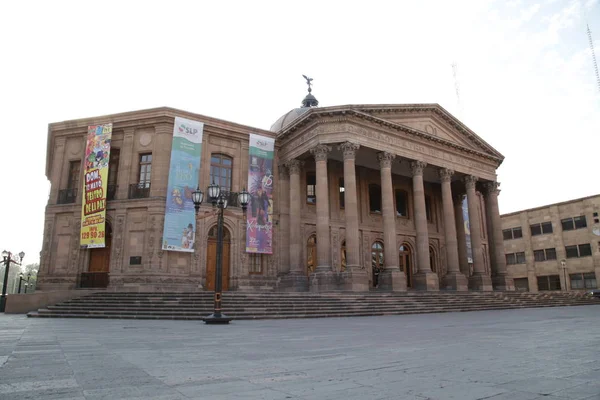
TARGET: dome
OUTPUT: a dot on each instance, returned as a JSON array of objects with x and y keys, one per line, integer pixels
[{"x": 288, "y": 118}]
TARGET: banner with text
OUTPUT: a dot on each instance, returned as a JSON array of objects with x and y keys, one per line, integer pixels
[
  {"x": 180, "y": 219},
  {"x": 93, "y": 204},
  {"x": 259, "y": 228}
]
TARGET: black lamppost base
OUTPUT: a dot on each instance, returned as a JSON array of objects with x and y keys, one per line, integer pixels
[{"x": 220, "y": 319}]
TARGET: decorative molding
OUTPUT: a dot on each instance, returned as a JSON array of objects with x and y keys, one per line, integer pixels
[
  {"x": 349, "y": 149},
  {"x": 492, "y": 188},
  {"x": 118, "y": 241},
  {"x": 320, "y": 152},
  {"x": 470, "y": 181},
  {"x": 446, "y": 174},
  {"x": 294, "y": 166},
  {"x": 385, "y": 159},
  {"x": 417, "y": 167}
]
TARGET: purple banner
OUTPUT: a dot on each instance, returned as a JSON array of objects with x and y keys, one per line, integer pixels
[{"x": 259, "y": 228}]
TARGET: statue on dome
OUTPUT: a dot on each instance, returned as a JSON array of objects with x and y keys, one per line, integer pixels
[{"x": 308, "y": 82}]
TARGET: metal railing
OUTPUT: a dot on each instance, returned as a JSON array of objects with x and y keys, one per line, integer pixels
[
  {"x": 139, "y": 190},
  {"x": 67, "y": 196}
]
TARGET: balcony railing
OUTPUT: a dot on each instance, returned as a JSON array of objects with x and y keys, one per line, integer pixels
[
  {"x": 111, "y": 192},
  {"x": 94, "y": 280},
  {"x": 67, "y": 196},
  {"x": 139, "y": 190}
]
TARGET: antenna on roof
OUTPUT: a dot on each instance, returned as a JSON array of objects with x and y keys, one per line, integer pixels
[
  {"x": 589, "y": 35},
  {"x": 456, "y": 88}
]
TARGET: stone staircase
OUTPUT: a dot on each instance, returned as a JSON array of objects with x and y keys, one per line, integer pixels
[{"x": 243, "y": 305}]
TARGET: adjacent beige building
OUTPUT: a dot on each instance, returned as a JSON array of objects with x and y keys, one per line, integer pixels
[
  {"x": 366, "y": 197},
  {"x": 554, "y": 247}
]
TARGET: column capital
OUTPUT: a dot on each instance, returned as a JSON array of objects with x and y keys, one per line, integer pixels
[
  {"x": 320, "y": 152},
  {"x": 470, "y": 181},
  {"x": 294, "y": 166},
  {"x": 385, "y": 159},
  {"x": 416, "y": 167},
  {"x": 349, "y": 149},
  {"x": 446, "y": 174},
  {"x": 492, "y": 188}
]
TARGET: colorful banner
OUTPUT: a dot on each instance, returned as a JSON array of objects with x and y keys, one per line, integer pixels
[
  {"x": 259, "y": 228},
  {"x": 95, "y": 185},
  {"x": 465, "y": 210},
  {"x": 180, "y": 219}
]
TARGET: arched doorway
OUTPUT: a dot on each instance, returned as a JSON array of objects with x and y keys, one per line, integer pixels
[
  {"x": 311, "y": 254},
  {"x": 211, "y": 259},
  {"x": 404, "y": 260},
  {"x": 376, "y": 262},
  {"x": 99, "y": 263}
]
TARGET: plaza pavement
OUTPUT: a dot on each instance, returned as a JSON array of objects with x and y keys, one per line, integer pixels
[{"x": 551, "y": 353}]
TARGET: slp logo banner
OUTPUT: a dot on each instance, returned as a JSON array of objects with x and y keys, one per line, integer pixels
[{"x": 188, "y": 130}]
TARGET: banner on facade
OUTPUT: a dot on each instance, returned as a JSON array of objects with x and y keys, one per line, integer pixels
[
  {"x": 95, "y": 185},
  {"x": 259, "y": 232},
  {"x": 179, "y": 230},
  {"x": 465, "y": 210}
]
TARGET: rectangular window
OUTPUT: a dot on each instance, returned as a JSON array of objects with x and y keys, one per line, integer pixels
[
  {"x": 580, "y": 222},
  {"x": 576, "y": 281},
  {"x": 590, "y": 280},
  {"x": 342, "y": 193},
  {"x": 535, "y": 229},
  {"x": 401, "y": 203},
  {"x": 549, "y": 282},
  {"x": 512, "y": 233},
  {"x": 520, "y": 258},
  {"x": 583, "y": 280},
  {"x": 375, "y": 198},
  {"x": 428, "y": 210},
  {"x": 73, "y": 180},
  {"x": 311, "y": 188},
  {"x": 145, "y": 170},
  {"x": 539, "y": 255},
  {"x": 572, "y": 251},
  {"x": 551, "y": 254},
  {"x": 256, "y": 264},
  {"x": 113, "y": 172},
  {"x": 585, "y": 250},
  {"x": 521, "y": 284},
  {"x": 511, "y": 259},
  {"x": 546, "y": 228}
]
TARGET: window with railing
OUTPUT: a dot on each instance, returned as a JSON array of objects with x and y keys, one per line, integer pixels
[
  {"x": 113, "y": 172},
  {"x": 69, "y": 195},
  {"x": 141, "y": 189},
  {"x": 311, "y": 188}
]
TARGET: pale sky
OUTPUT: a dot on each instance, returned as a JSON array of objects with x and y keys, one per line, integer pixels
[{"x": 526, "y": 78}]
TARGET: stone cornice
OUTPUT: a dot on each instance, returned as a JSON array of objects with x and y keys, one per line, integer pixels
[{"x": 339, "y": 114}]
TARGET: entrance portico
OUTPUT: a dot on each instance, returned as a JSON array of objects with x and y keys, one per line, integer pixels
[{"x": 344, "y": 148}]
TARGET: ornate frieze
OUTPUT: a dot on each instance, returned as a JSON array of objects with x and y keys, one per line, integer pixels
[
  {"x": 417, "y": 167},
  {"x": 385, "y": 159},
  {"x": 470, "y": 181},
  {"x": 320, "y": 152},
  {"x": 446, "y": 174},
  {"x": 294, "y": 166},
  {"x": 349, "y": 149}
]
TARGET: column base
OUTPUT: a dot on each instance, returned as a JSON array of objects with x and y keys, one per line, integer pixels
[
  {"x": 426, "y": 281},
  {"x": 392, "y": 279},
  {"x": 455, "y": 281},
  {"x": 355, "y": 279},
  {"x": 503, "y": 282},
  {"x": 321, "y": 281},
  {"x": 293, "y": 282},
  {"x": 480, "y": 282}
]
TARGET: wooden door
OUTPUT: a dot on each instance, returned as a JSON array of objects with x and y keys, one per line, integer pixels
[
  {"x": 100, "y": 257},
  {"x": 211, "y": 265}
]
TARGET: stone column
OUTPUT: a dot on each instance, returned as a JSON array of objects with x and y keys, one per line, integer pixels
[
  {"x": 480, "y": 280},
  {"x": 296, "y": 279},
  {"x": 463, "y": 260},
  {"x": 161, "y": 159},
  {"x": 454, "y": 279},
  {"x": 424, "y": 279},
  {"x": 500, "y": 278},
  {"x": 357, "y": 279},
  {"x": 322, "y": 278},
  {"x": 58, "y": 158},
  {"x": 391, "y": 278}
]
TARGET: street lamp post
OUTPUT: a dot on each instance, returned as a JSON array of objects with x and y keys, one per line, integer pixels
[
  {"x": 21, "y": 279},
  {"x": 563, "y": 264},
  {"x": 218, "y": 198},
  {"x": 7, "y": 259}
]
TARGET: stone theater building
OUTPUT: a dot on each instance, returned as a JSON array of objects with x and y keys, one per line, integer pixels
[{"x": 366, "y": 197}]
